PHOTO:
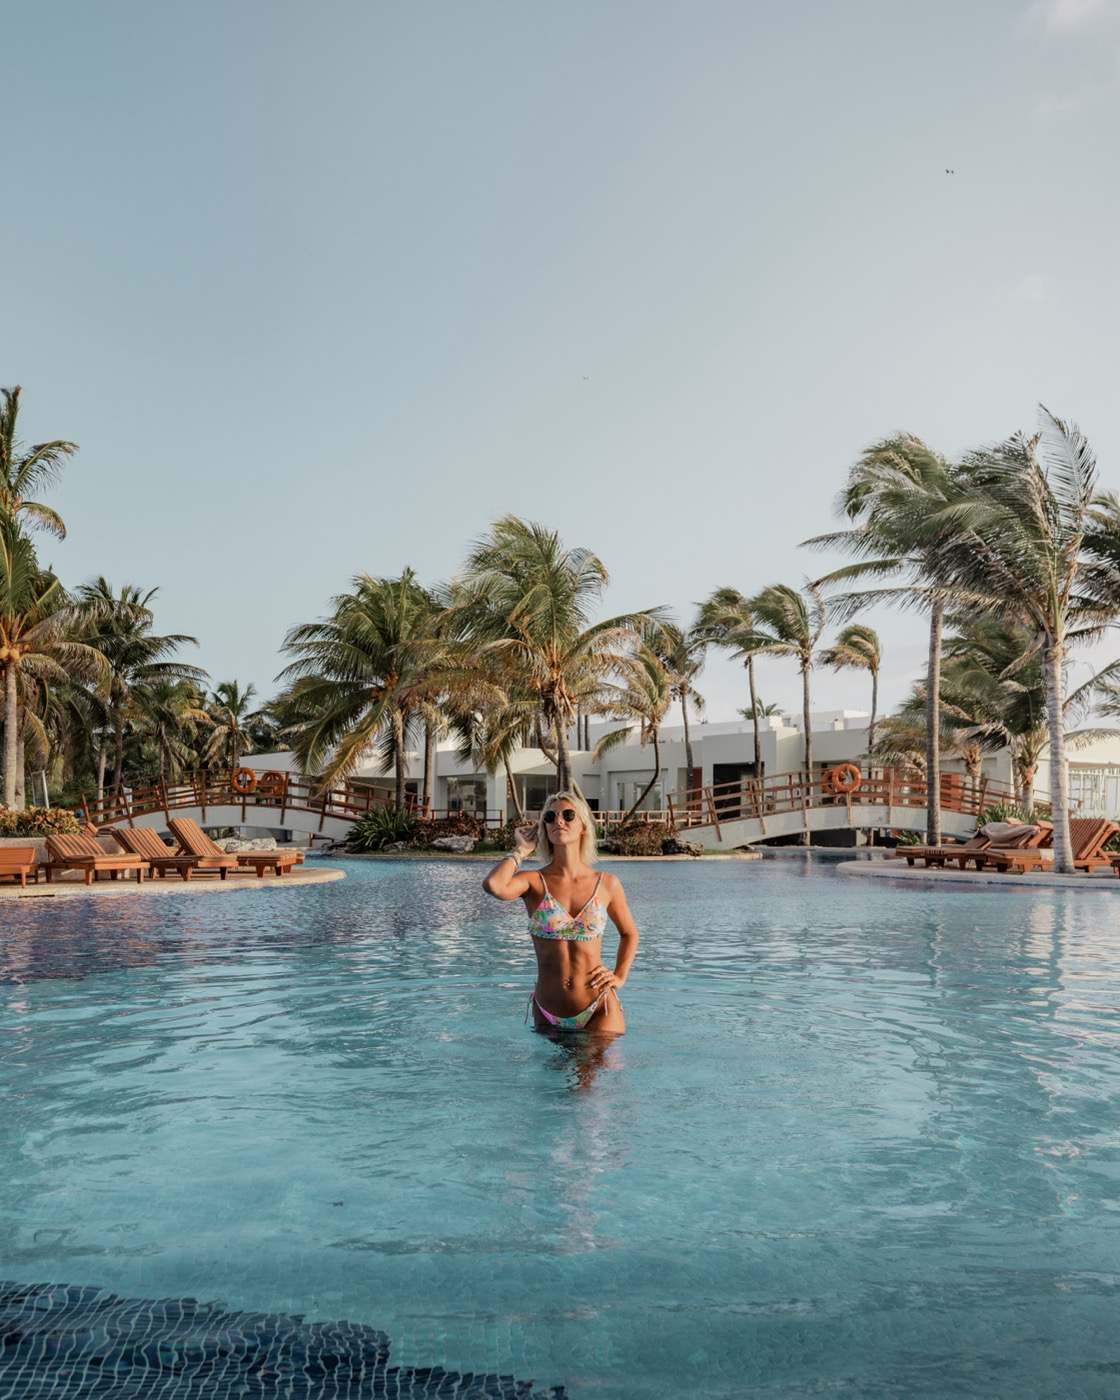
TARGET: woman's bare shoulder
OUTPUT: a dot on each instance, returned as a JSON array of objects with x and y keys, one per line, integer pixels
[{"x": 611, "y": 886}]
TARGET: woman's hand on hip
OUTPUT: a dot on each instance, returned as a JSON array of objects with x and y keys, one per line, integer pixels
[{"x": 602, "y": 979}]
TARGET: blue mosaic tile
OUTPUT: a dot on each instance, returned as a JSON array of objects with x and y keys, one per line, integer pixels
[{"x": 62, "y": 1342}]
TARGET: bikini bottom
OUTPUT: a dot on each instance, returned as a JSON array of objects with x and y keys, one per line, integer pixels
[{"x": 570, "y": 1023}]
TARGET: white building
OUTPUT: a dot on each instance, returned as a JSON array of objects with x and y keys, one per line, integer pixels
[{"x": 722, "y": 752}]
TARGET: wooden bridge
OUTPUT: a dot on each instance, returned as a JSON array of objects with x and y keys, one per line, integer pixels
[
  {"x": 720, "y": 818},
  {"x": 747, "y": 811},
  {"x": 281, "y": 800}
]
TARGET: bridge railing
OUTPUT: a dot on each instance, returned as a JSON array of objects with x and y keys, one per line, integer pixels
[
  {"x": 272, "y": 795},
  {"x": 795, "y": 792},
  {"x": 276, "y": 793}
]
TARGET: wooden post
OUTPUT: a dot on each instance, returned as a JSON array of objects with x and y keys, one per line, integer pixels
[{"x": 714, "y": 813}]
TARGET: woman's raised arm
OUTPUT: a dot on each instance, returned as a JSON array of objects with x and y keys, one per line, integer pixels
[{"x": 506, "y": 880}]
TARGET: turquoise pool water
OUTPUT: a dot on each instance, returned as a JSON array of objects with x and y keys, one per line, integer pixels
[{"x": 858, "y": 1140}]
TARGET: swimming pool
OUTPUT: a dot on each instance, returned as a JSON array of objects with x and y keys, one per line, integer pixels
[{"x": 856, "y": 1140}]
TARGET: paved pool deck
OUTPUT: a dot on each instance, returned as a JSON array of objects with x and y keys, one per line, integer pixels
[
  {"x": 73, "y": 886},
  {"x": 1099, "y": 882}
]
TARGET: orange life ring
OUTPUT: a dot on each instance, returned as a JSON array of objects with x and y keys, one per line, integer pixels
[
  {"x": 243, "y": 781},
  {"x": 272, "y": 783},
  {"x": 843, "y": 779}
]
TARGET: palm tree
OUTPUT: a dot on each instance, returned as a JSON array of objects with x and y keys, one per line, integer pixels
[
  {"x": 857, "y": 648},
  {"x": 119, "y": 628},
  {"x": 682, "y": 655},
  {"x": 39, "y": 642},
  {"x": 490, "y": 734},
  {"x": 362, "y": 676},
  {"x": 790, "y": 624},
  {"x": 899, "y": 492},
  {"x": 993, "y": 676},
  {"x": 168, "y": 714},
  {"x": 1016, "y": 549},
  {"x": 726, "y": 620},
  {"x": 229, "y": 714},
  {"x": 524, "y": 600},
  {"x": 761, "y": 710},
  {"x": 24, "y": 472},
  {"x": 643, "y": 699},
  {"x": 901, "y": 740}
]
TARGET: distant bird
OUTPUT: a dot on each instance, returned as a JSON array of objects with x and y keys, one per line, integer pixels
[
  {"x": 949, "y": 172},
  {"x": 587, "y": 376}
]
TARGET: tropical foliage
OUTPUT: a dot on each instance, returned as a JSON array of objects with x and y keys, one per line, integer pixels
[{"x": 1011, "y": 551}]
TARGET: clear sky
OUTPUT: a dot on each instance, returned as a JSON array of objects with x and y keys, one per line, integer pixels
[{"x": 328, "y": 288}]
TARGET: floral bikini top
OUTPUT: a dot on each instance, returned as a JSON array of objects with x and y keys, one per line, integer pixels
[{"x": 551, "y": 920}]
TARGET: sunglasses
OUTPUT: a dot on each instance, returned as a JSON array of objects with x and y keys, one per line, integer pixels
[{"x": 568, "y": 813}]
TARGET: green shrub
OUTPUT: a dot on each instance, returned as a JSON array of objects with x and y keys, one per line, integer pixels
[
  {"x": 39, "y": 821},
  {"x": 381, "y": 827},
  {"x": 1003, "y": 812}
]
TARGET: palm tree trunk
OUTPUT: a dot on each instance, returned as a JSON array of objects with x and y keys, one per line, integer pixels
[
  {"x": 11, "y": 735},
  {"x": 398, "y": 756},
  {"x": 754, "y": 715},
  {"x": 687, "y": 741},
  {"x": 429, "y": 764},
  {"x": 933, "y": 729},
  {"x": 656, "y": 774},
  {"x": 871, "y": 739},
  {"x": 102, "y": 764},
  {"x": 1059, "y": 775},
  {"x": 871, "y": 723},
  {"x": 118, "y": 763},
  {"x": 806, "y": 669},
  {"x": 21, "y": 772},
  {"x": 511, "y": 787},
  {"x": 1026, "y": 789},
  {"x": 563, "y": 758}
]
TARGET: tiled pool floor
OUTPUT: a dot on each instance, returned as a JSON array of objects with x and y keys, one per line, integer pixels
[{"x": 60, "y": 1342}]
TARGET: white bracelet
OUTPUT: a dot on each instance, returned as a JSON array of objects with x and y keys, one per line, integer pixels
[{"x": 512, "y": 855}]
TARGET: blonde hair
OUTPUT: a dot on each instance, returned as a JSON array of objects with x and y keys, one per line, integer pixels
[{"x": 588, "y": 850}]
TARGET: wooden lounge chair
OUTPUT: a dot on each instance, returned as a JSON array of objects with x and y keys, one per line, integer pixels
[
  {"x": 1033, "y": 839},
  {"x": 938, "y": 855},
  {"x": 18, "y": 862},
  {"x": 83, "y": 853},
  {"x": 1087, "y": 836},
  {"x": 142, "y": 841},
  {"x": 1029, "y": 835},
  {"x": 193, "y": 841},
  {"x": 279, "y": 861}
]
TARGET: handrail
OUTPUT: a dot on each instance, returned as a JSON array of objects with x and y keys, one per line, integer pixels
[
  {"x": 279, "y": 793},
  {"x": 745, "y": 798},
  {"x": 709, "y": 805}
]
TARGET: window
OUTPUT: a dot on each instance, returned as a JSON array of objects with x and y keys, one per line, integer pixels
[
  {"x": 466, "y": 794},
  {"x": 1095, "y": 791}
]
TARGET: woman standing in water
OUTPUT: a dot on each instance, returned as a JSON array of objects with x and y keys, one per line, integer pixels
[{"x": 568, "y": 905}]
